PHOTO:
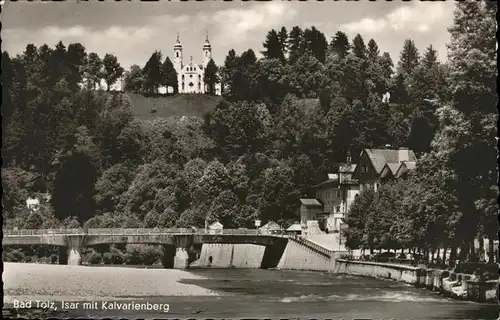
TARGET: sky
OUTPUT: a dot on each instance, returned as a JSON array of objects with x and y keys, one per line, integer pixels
[{"x": 134, "y": 30}]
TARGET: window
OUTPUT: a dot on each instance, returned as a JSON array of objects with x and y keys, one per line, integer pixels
[
  {"x": 338, "y": 193},
  {"x": 177, "y": 54},
  {"x": 182, "y": 77},
  {"x": 338, "y": 208},
  {"x": 190, "y": 75}
]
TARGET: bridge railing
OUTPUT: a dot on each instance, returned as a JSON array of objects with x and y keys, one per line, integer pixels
[
  {"x": 138, "y": 231},
  {"x": 314, "y": 246},
  {"x": 34, "y": 232}
]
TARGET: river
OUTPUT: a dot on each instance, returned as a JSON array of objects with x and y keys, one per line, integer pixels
[{"x": 257, "y": 293}]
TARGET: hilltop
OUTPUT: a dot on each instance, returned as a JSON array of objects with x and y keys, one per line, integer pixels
[{"x": 171, "y": 106}]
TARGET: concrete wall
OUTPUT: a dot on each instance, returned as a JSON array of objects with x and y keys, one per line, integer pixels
[
  {"x": 230, "y": 256},
  {"x": 299, "y": 257},
  {"x": 396, "y": 272},
  {"x": 455, "y": 285}
]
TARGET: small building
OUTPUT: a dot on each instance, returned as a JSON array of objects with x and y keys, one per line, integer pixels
[
  {"x": 309, "y": 210},
  {"x": 215, "y": 228},
  {"x": 378, "y": 165},
  {"x": 294, "y": 229},
  {"x": 33, "y": 204},
  {"x": 271, "y": 226}
]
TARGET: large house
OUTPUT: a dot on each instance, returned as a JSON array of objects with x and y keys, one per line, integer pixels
[
  {"x": 335, "y": 196},
  {"x": 377, "y": 165}
]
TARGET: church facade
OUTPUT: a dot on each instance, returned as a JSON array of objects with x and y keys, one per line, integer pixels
[{"x": 190, "y": 76}]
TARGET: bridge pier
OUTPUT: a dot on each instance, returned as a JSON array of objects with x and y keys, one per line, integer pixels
[
  {"x": 168, "y": 256},
  {"x": 63, "y": 255},
  {"x": 72, "y": 254},
  {"x": 181, "y": 259}
]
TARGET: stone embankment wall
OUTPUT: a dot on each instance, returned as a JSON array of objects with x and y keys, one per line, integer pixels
[
  {"x": 230, "y": 256},
  {"x": 298, "y": 256},
  {"x": 455, "y": 285}
]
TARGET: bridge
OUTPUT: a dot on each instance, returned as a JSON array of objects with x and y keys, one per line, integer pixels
[{"x": 175, "y": 241}]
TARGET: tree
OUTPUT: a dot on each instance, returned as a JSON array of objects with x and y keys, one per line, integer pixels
[
  {"x": 356, "y": 220},
  {"x": 75, "y": 58},
  {"x": 373, "y": 51},
  {"x": 468, "y": 134},
  {"x": 359, "y": 47},
  {"x": 153, "y": 72},
  {"x": 315, "y": 42},
  {"x": 237, "y": 129},
  {"x": 273, "y": 46},
  {"x": 211, "y": 77},
  {"x": 134, "y": 79},
  {"x": 387, "y": 65},
  {"x": 280, "y": 194},
  {"x": 409, "y": 58},
  {"x": 283, "y": 38},
  {"x": 93, "y": 70},
  {"x": 112, "y": 70},
  {"x": 169, "y": 75},
  {"x": 7, "y": 87},
  {"x": 295, "y": 44},
  {"x": 340, "y": 44}
]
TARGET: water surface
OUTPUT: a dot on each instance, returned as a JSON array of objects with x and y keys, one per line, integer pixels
[{"x": 300, "y": 294}]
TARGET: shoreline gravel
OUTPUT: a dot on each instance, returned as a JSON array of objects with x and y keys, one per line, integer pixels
[{"x": 29, "y": 281}]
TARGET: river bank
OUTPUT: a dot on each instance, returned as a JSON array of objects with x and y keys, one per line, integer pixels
[{"x": 459, "y": 286}]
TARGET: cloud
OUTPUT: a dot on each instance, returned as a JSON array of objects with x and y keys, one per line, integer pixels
[
  {"x": 237, "y": 24},
  {"x": 418, "y": 16}
]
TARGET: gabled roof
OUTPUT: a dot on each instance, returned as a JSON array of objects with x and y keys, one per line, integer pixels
[
  {"x": 216, "y": 225},
  {"x": 295, "y": 227},
  {"x": 310, "y": 203},
  {"x": 326, "y": 183},
  {"x": 405, "y": 167},
  {"x": 379, "y": 157},
  {"x": 390, "y": 169},
  {"x": 271, "y": 225},
  {"x": 347, "y": 167}
]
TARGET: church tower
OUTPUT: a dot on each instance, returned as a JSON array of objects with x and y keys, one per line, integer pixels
[
  {"x": 207, "y": 52},
  {"x": 178, "y": 55}
]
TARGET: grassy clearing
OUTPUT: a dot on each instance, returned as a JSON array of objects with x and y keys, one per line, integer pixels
[{"x": 169, "y": 106}]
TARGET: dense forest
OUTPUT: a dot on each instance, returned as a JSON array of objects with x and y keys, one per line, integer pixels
[{"x": 285, "y": 121}]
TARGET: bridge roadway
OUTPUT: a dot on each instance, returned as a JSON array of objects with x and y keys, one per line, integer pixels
[{"x": 72, "y": 241}]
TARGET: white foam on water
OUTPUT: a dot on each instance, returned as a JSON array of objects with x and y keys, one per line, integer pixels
[{"x": 404, "y": 296}]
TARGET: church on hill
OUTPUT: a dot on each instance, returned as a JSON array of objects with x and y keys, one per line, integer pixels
[{"x": 190, "y": 76}]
